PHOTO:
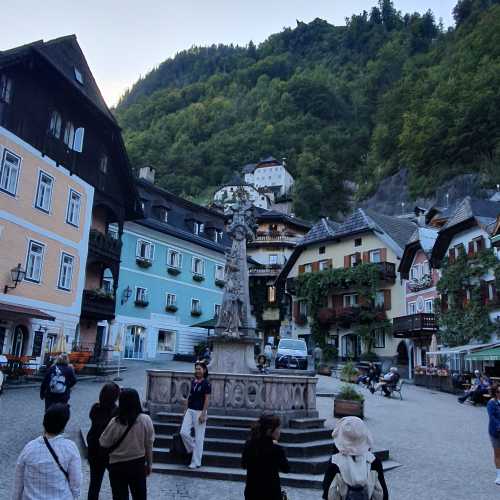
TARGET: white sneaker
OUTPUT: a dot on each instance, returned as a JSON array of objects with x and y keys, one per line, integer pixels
[
  {"x": 497, "y": 481},
  {"x": 192, "y": 466}
]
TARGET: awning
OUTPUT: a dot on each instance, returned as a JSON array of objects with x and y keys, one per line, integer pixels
[
  {"x": 463, "y": 349},
  {"x": 492, "y": 354},
  {"x": 23, "y": 312}
]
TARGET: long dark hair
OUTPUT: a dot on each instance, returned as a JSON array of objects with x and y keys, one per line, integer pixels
[
  {"x": 129, "y": 406},
  {"x": 204, "y": 367},
  {"x": 109, "y": 395},
  {"x": 264, "y": 427}
]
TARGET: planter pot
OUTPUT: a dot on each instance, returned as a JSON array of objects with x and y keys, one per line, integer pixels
[
  {"x": 198, "y": 277},
  {"x": 174, "y": 271},
  {"x": 141, "y": 303},
  {"x": 325, "y": 370},
  {"x": 220, "y": 283},
  {"x": 195, "y": 313},
  {"x": 346, "y": 408},
  {"x": 171, "y": 309},
  {"x": 143, "y": 262}
]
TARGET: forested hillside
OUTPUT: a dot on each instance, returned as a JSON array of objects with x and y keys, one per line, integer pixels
[{"x": 341, "y": 103}]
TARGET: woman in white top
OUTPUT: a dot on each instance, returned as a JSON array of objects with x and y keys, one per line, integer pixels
[
  {"x": 129, "y": 438},
  {"x": 49, "y": 467}
]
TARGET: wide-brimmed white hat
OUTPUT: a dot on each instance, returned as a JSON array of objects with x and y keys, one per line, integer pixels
[{"x": 352, "y": 436}]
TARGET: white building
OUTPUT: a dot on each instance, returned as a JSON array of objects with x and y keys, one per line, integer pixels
[{"x": 270, "y": 174}]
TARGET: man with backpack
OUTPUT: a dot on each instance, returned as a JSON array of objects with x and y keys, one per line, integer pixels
[
  {"x": 354, "y": 473},
  {"x": 58, "y": 381}
]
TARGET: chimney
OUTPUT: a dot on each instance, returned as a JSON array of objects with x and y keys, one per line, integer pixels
[{"x": 148, "y": 174}]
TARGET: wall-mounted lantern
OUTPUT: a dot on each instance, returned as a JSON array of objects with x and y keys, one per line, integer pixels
[{"x": 17, "y": 275}]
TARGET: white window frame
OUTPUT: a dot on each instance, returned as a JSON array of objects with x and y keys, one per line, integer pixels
[
  {"x": 415, "y": 272},
  {"x": 174, "y": 338},
  {"x": 218, "y": 236},
  {"x": 379, "y": 338},
  {"x": 350, "y": 300},
  {"x": 170, "y": 299},
  {"x": 198, "y": 228},
  {"x": 353, "y": 260},
  {"x": 324, "y": 265},
  {"x": 193, "y": 266},
  {"x": 273, "y": 259},
  {"x": 66, "y": 285},
  {"x": 143, "y": 295},
  {"x": 217, "y": 310},
  {"x": 379, "y": 298},
  {"x": 176, "y": 253},
  {"x": 375, "y": 252},
  {"x": 150, "y": 252},
  {"x": 219, "y": 272},
  {"x": 308, "y": 268},
  {"x": 303, "y": 307},
  {"x": 5, "y": 89},
  {"x": 55, "y": 125},
  {"x": 42, "y": 191},
  {"x": 194, "y": 307},
  {"x": 34, "y": 279},
  {"x": 426, "y": 268},
  {"x": 69, "y": 134},
  {"x": 75, "y": 219},
  {"x": 411, "y": 308},
  {"x": 12, "y": 182},
  {"x": 429, "y": 306}
]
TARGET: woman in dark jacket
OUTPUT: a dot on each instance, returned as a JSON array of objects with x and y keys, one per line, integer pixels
[
  {"x": 100, "y": 415},
  {"x": 58, "y": 381},
  {"x": 264, "y": 459},
  {"x": 493, "y": 408}
]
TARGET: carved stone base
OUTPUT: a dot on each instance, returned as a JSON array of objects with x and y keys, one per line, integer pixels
[{"x": 233, "y": 355}]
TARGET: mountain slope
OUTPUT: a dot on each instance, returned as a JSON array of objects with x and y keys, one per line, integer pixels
[{"x": 349, "y": 103}]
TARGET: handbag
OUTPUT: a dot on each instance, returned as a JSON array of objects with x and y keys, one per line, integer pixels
[
  {"x": 114, "y": 446},
  {"x": 56, "y": 458},
  {"x": 178, "y": 447}
]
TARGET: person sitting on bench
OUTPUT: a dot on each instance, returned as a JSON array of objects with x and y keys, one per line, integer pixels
[
  {"x": 371, "y": 377},
  {"x": 388, "y": 382},
  {"x": 480, "y": 386}
]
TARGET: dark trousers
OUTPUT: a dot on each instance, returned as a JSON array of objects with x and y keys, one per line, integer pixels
[
  {"x": 128, "y": 475},
  {"x": 98, "y": 467},
  {"x": 50, "y": 400}
]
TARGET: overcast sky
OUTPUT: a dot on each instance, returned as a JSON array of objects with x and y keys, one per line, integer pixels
[{"x": 123, "y": 39}]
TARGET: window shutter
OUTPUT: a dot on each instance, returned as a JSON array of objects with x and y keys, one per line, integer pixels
[
  {"x": 296, "y": 311},
  {"x": 484, "y": 292},
  {"x": 315, "y": 267},
  {"x": 347, "y": 261},
  {"x": 451, "y": 255},
  {"x": 387, "y": 300},
  {"x": 358, "y": 256},
  {"x": 302, "y": 268},
  {"x": 337, "y": 303},
  {"x": 470, "y": 249},
  {"x": 383, "y": 255},
  {"x": 366, "y": 256}
]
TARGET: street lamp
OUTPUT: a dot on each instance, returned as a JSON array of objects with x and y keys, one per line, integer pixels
[
  {"x": 17, "y": 275},
  {"x": 126, "y": 294}
]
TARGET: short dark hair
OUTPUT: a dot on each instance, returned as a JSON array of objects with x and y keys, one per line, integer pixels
[
  {"x": 109, "y": 395},
  {"x": 129, "y": 406},
  {"x": 265, "y": 426},
  {"x": 56, "y": 417}
]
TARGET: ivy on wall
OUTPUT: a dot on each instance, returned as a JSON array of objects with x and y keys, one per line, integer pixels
[
  {"x": 462, "y": 320},
  {"x": 363, "y": 279}
]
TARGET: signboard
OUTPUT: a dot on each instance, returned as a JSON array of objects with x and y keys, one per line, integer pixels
[{"x": 37, "y": 344}]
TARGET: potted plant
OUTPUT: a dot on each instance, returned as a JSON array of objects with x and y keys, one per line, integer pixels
[
  {"x": 171, "y": 308},
  {"x": 196, "y": 312},
  {"x": 349, "y": 372},
  {"x": 143, "y": 262},
  {"x": 174, "y": 271},
  {"x": 220, "y": 283},
  {"x": 198, "y": 277},
  {"x": 348, "y": 403},
  {"x": 141, "y": 303}
]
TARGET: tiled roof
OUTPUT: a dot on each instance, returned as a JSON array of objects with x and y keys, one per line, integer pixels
[
  {"x": 484, "y": 211},
  {"x": 398, "y": 229},
  {"x": 263, "y": 214},
  {"x": 322, "y": 230}
]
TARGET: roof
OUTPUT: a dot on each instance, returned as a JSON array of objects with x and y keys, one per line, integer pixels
[
  {"x": 262, "y": 214},
  {"x": 249, "y": 168},
  {"x": 462, "y": 349},
  {"x": 322, "y": 230},
  {"x": 64, "y": 54},
  {"x": 26, "y": 312},
  {"x": 491, "y": 354},
  {"x": 423, "y": 238}
]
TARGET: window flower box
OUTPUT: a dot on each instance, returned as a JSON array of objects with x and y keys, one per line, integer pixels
[
  {"x": 142, "y": 262},
  {"x": 198, "y": 277},
  {"x": 141, "y": 303},
  {"x": 196, "y": 312},
  {"x": 174, "y": 271},
  {"x": 220, "y": 283},
  {"x": 171, "y": 308}
]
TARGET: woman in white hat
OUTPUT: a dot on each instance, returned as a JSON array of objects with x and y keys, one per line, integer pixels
[{"x": 353, "y": 469}]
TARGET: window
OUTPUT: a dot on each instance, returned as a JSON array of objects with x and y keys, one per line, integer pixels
[
  {"x": 350, "y": 300},
  {"x": 271, "y": 294},
  {"x": 145, "y": 250},
  {"x": 375, "y": 256},
  {"x": 218, "y": 236},
  {"x": 195, "y": 306},
  {"x": 415, "y": 273},
  {"x": 426, "y": 269},
  {"x": 9, "y": 172},
  {"x": 324, "y": 264},
  {"x": 358, "y": 242},
  {"x": 219, "y": 272},
  {"x": 303, "y": 308},
  {"x": 174, "y": 259},
  {"x": 429, "y": 306},
  {"x": 308, "y": 268},
  {"x": 161, "y": 213},
  {"x": 379, "y": 338},
  {"x": 171, "y": 300},
  {"x": 141, "y": 294},
  {"x": 273, "y": 259},
  {"x": 5, "y": 89},
  {"x": 322, "y": 250},
  {"x": 34, "y": 261},
  {"x": 78, "y": 140},
  {"x": 166, "y": 341},
  {"x": 55, "y": 124},
  {"x": 65, "y": 271},
  {"x": 217, "y": 308},
  {"x": 44, "y": 192},
  {"x": 78, "y": 75},
  {"x": 107, "y": 281},
  {"x": 103, "y": 164},
  {"x": 353, "y": 260},
  {"x": 198, "y": 227},
  {"x": 379, "y": 299},
  {"x": 69, "y": 135},
  {"x": 73, "y": 212},
  {"x": 197, "y": 266},
  {"x": 412, "y": 308}
]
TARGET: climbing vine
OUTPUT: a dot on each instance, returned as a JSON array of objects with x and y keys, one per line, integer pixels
[
  {"x": 463, "y": 320},
  {"x": 363, "y": 279}
]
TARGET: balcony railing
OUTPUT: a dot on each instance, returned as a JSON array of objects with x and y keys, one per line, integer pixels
[
  {"x": 414, "y": 325},
  {"x": 105, "y": 245},
  {"x": 387, "y": 270},
  {"x": 98, "y": 306},
  {"x": 276, "y": 236},
  {"x": 267, "y": 270}
]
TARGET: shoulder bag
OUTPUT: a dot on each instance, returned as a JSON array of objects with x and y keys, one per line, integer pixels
[{"x": 56, "y": 458}]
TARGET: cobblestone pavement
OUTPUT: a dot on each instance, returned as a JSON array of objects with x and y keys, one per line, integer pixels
[{"x": 443, "y": 446}]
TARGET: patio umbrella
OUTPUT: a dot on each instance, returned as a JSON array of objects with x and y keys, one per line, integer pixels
[
  {"x": 433, "y": 348},
  {"x": 61, "y": 345},
  {"x": 118, "y": 348}
]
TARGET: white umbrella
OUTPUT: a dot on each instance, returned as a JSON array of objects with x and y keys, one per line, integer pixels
[
  {"x": 118, "y": 348},
  {"x": 433, "y": 348},
  {"x": 61, "y": 345}
]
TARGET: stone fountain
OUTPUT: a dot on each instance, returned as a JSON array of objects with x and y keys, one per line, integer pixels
[{"x": 238, "y": 389}]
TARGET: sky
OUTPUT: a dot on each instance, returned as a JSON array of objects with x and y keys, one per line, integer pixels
[{"x": 124, "y": 39}]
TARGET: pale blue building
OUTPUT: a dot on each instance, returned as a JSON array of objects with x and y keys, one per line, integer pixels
[{"x": 171, "y": 275}]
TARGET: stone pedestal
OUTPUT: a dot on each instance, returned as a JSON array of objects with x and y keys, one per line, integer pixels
[{"x": 230, "y": 355}]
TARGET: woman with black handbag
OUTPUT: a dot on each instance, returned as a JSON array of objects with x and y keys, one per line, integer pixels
[
  {"x": 264, "y": 459},
  {"x": 100, "y": 415},
  {"x": 129, "y": 438}
]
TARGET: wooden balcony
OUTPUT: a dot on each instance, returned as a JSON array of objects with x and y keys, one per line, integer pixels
[
  {"x": 414, "y": 325},
  {"x": 104, "y": 246},
  {"x": 267, "y": 270},
  {"x": 387, "y": 271},
  {"x": 97, "y": 306},
  {"x": 275, "y": 238}
]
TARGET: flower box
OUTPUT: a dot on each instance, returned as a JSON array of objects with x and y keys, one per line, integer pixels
[
  {"x": 220, "y": 283},
  {"x": 174, "y": 271},
  {"x": 198, "y": 277},
  {"x": 195, "y": 313},
  {"x": 141, "y": 303},
  {"x": 145, "y": 263},
  {"x": 171, "y": 308}
]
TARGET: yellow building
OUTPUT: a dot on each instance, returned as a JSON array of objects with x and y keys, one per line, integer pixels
[{"x": 365, "y": 236}]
